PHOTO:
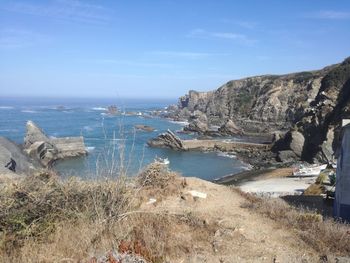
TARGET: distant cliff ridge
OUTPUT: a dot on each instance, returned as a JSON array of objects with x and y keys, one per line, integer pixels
[{"x": 311, "y": 103}]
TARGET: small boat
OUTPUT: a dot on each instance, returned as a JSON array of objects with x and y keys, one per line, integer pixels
[
  {"x": 164, "y": 161},
  {"x": 309, "y": 171}
]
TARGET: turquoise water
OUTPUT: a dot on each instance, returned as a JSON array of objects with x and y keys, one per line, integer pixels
[{"x": 109, "y": 138}]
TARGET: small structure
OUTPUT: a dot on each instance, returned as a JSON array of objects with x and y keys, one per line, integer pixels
[{"x": 342, "y": 190}]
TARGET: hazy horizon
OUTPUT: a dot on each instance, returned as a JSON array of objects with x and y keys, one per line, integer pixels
[{"x": 161, "y": 49}]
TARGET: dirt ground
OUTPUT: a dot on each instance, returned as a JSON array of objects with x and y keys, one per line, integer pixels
[{"x": 239, "y": 235}]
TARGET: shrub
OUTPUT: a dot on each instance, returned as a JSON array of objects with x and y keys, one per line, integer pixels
[{"x": 32, "y": 207}]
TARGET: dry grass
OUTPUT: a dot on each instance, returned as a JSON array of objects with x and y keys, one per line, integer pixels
[
  {"x": 325, "y": 236},
  {"x": 157, "y": 181},
  {"x": 44, "y": 219},
  {"x": 156, "y": 175},
  {"x": 155, "y": 237},
  {"x": 315, "y": 189},
  {"x": 34, "y": 208},
  {"x": 278, "y": 173}
]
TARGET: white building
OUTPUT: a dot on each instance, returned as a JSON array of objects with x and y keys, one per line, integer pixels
[{"x": 342, "y": 189}]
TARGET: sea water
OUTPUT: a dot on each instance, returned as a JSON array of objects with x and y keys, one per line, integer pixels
[{"x": 110, "y": 140}]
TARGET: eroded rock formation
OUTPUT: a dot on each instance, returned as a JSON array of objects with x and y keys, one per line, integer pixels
[
  {"x": 167, "y": 140},
  {"x": 47, "y": 150},
  {"x": 230, "y": 128}
]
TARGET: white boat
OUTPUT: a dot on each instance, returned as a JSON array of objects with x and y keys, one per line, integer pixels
[
  {"x": 309, "y": 171},
  {"x": 164, "y": 161}
]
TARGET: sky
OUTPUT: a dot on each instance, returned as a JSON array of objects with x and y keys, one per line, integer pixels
[{"x": 161, "y": 48}]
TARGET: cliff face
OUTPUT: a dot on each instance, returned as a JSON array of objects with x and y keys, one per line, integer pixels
[
  {"x": 273, "y": 101},
  {"x": 311, "y": 103}
]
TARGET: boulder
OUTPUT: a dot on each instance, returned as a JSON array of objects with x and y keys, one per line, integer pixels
[
  {"x": 230, "y": 128},
  {"x": 326, "y": 154},
  {"x": 167, "y": 140},
  {"x": 286, "y": 156},
  {"x": 198, "y": 123},
  {"x": 197, "y": 126},
  {"x": 292, "y": 141},
  {"x": 297, "y": 142}
]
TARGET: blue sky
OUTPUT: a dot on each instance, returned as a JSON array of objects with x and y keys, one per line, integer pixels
[{"x": 161, "y": 49}]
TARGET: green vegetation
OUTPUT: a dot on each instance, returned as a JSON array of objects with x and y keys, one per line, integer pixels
[
  {"x": 303, "y": 76},
  {"x": 245, "y": 99},
  {"x": 338, "y": 76}
]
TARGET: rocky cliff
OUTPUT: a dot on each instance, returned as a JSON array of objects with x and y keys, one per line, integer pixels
[{"x": 303, "y": 110}]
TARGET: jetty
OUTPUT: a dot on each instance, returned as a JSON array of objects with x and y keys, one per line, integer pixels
[{"x": 172, "y": 141}]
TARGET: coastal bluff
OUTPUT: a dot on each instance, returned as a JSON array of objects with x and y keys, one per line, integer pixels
[{"x": 302, "y": 112}]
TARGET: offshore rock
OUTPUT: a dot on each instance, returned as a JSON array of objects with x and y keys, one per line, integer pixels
[
  {"x": 144, "y": 128},
  {"x": 47, "y": 150},
  {"x": 167, "y": 140}
]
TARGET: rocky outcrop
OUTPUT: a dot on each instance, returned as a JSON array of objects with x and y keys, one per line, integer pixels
[
  {"x": 320, "y": 124},
  {"x": 292, "y": 141},
  {"x": 167, "y": 140},
  {"x": 34, "y": 134},
  {"x": 170, "y": 140},
  {"x": 47, "y": 150},
  {"x": 307, "y": 107},
  {"x": 144, "y": 128},
  {"x": 258, "y": 104},
  {"x": 230, "y": 128},
  {"x": 198, "y": 122}
]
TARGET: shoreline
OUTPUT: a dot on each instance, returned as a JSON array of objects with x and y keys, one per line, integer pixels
[{"x": 241, "y": 178}]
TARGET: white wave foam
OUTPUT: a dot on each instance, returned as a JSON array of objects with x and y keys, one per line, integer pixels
[
  {"x": 29, "y": 111},
  {"x": 90, "y": 148},
  {"x": 6, "y": 108},
  {"x": 9, "y": 130},
  {"x": 183, "y": 123},
  {"x": 99, "y": 108},
  {"x": 227, "y": 155},
  {"x": 247, "y": 167}
]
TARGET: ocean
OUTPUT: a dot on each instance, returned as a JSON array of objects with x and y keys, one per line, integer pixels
[{"x": 110, "y": 140}]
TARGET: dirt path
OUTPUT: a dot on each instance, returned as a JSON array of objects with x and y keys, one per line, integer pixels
[{"x": 241, "y": 234}]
